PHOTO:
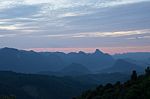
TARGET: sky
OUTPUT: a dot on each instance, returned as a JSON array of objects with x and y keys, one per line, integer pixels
[{"x": 113, "y": 26}]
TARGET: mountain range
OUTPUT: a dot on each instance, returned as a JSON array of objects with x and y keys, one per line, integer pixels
[
  {"x": 74, "y": 63},
  {"x": 31, "y": 62},
  {"x": 58, "y": 75},
  {"x": 123, "y": 66}
]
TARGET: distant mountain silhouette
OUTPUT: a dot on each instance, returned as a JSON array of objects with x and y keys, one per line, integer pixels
[
  {"x": 134, "y": 55},
  {"x": 98, "y": 52},
  {"x": 27, "y": 61},
  {"x": 93, "y": 61},
  {"x": 75, "y": 69},
  {"x": 30, "y": 61},
  {"x": 139, "y": 58},
  {"x": 54, "y": 62},
  {"x": 123, "y": 66}
]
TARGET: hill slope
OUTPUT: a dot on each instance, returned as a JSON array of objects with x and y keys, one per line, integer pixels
[
  {"x": 123, "y": 66},
  {"x": 75, "y": 69},
  {"x": 137, "y": 88},
  {"x": 27, "y": 86},
  {"x": 139, "y": 58}
]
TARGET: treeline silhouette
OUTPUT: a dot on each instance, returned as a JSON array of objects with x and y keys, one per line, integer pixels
[{"x": 138, "y": 87}]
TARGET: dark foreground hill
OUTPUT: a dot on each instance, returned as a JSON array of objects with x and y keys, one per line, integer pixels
[
  {"x": 27, "y": 86},
  {"x": 33, "y": 86},
  {"x": 136, "y": 88},
  {"x": 102, "y": 78}
]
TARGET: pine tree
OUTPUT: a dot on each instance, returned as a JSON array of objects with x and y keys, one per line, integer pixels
[
  {"x": 147, "y": 71},
  {"x": 134, "y": 76}
]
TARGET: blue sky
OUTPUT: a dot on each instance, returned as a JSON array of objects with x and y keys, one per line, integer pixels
[{"x": 32, "y": 24}]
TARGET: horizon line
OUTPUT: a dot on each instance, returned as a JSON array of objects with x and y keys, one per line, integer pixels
[{"x": 109, "y": 50}]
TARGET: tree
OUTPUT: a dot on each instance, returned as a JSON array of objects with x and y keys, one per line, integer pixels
[
  {"x": 147, "y": 71},
  {"x": 134, "y": 76}
]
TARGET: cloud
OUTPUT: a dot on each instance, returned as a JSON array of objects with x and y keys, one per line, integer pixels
[
  {"x": 67, "y": 23},
  {"x": 73, "y": 3},
  {"x": 100, "y": 34},
  {"x": 7, "y": 35},
  {"x": 78, "y": 18},
  {"x": 11, "y": 27}
]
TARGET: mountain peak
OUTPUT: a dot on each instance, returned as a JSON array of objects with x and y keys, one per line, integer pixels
[
  {"x": 97, "y": 51},
  {"x": 8, "y": 49},
  {"x": 81, "y": 52}
]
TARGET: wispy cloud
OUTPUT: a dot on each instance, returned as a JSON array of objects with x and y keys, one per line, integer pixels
[
  {"x": 67, "y": 23},
  {"x": 7, "y": 35},
  {"x": 11, "y": 27},
  {"x": 100, "y": 34}
]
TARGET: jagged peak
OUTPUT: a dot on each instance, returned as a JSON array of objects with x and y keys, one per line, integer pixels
[
  {"x": 81, "y": 52},
  {"x": 97, "y": 51}
]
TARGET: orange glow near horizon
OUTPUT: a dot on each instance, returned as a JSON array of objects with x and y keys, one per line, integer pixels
[{"x": 110, "y": 50}]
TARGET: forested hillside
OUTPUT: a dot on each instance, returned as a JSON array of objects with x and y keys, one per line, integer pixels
[
  {"x": 138, "y": 87},
  {"x": 29, "y": 86}
]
